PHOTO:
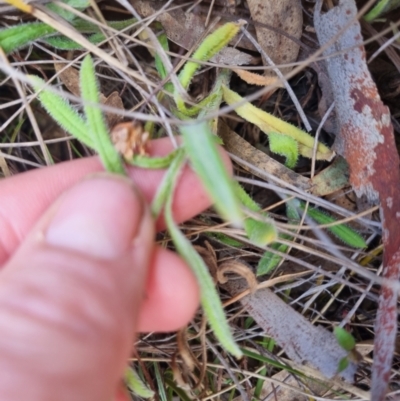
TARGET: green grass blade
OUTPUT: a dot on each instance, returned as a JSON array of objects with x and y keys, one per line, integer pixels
[
  {"x": 209, "y": 297},
  {"x": 96, "y": 125},
  {"x": 206, "y": 161},
  {"x": 62, "y": 112},
  {"x": 19, "y": 36}
]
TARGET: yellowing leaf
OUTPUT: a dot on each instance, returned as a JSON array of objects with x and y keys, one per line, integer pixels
[{"x": 269, "y": 123}]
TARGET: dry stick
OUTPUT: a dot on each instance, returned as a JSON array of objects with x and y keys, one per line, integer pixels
[
  {"x": 209, "y": 13},
  {"x": 4, "y": 166},
  {"x": 281, "y": 76},
  {"x": 225, "y": 364},
  {"x": 20, "y": 160},
  {"x": 384, "y": 46},
  {"x": 114, "y": 40},
  {"x": 360, "y": 299},
  {"x": 26, "y": 105},
  {"x": 319, "y": 129},
  {"x": 34, "y": 143}
]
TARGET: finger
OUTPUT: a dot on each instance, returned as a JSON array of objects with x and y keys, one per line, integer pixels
[
  {"x": 171, "y": 296},
  {"x": 70, "y": 296},
  {"x": 27, "y": 196}
]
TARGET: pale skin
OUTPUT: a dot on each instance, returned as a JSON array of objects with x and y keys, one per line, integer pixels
[{"x": 81, "y": 275}]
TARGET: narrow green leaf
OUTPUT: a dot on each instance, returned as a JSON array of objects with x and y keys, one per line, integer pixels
[
  {"x": 206, "y": 161},
  {"x": 85, "y": 26},
  {"x": 209, "y": 297},
  {"x": 18, "y": 36},
  {"x": 223, "y": 238},
  {"x": 344, "y": 338},
  {"x": 246, "y": 200},
  {"x": 62, "y": 112},
  {"x": 136, "y": 385},
  {"x": 61, "y": 42},
  {"x": 341, "y": 231},
  {"x": 210, "y": 46},
  {"x": 96, "y": 125}
]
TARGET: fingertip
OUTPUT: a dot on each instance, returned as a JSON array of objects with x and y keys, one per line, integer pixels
[{"x": 172, "y": 294}]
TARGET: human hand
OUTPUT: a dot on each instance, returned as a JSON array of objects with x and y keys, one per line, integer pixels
[{"x": 81, "y": 275}]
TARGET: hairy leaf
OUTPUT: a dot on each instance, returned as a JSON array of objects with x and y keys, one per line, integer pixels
[
  {"x": 96, "y": 125},
  {"x": 286, "y": 146},
  {"x": 62, "y": 112},
  {"x": 206, "y": 160},
  {"x": 18, "y": 36}
]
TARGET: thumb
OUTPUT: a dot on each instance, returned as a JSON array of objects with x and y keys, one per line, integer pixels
[{"x": 70, "y": 296}]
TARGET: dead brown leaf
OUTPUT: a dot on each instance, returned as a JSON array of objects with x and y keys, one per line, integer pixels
[
  {"x": 283, "y": 15},
  {"x": 187, "y": 28}
]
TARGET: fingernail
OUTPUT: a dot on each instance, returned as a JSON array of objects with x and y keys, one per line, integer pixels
[{"x": 99, "y": 217}]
